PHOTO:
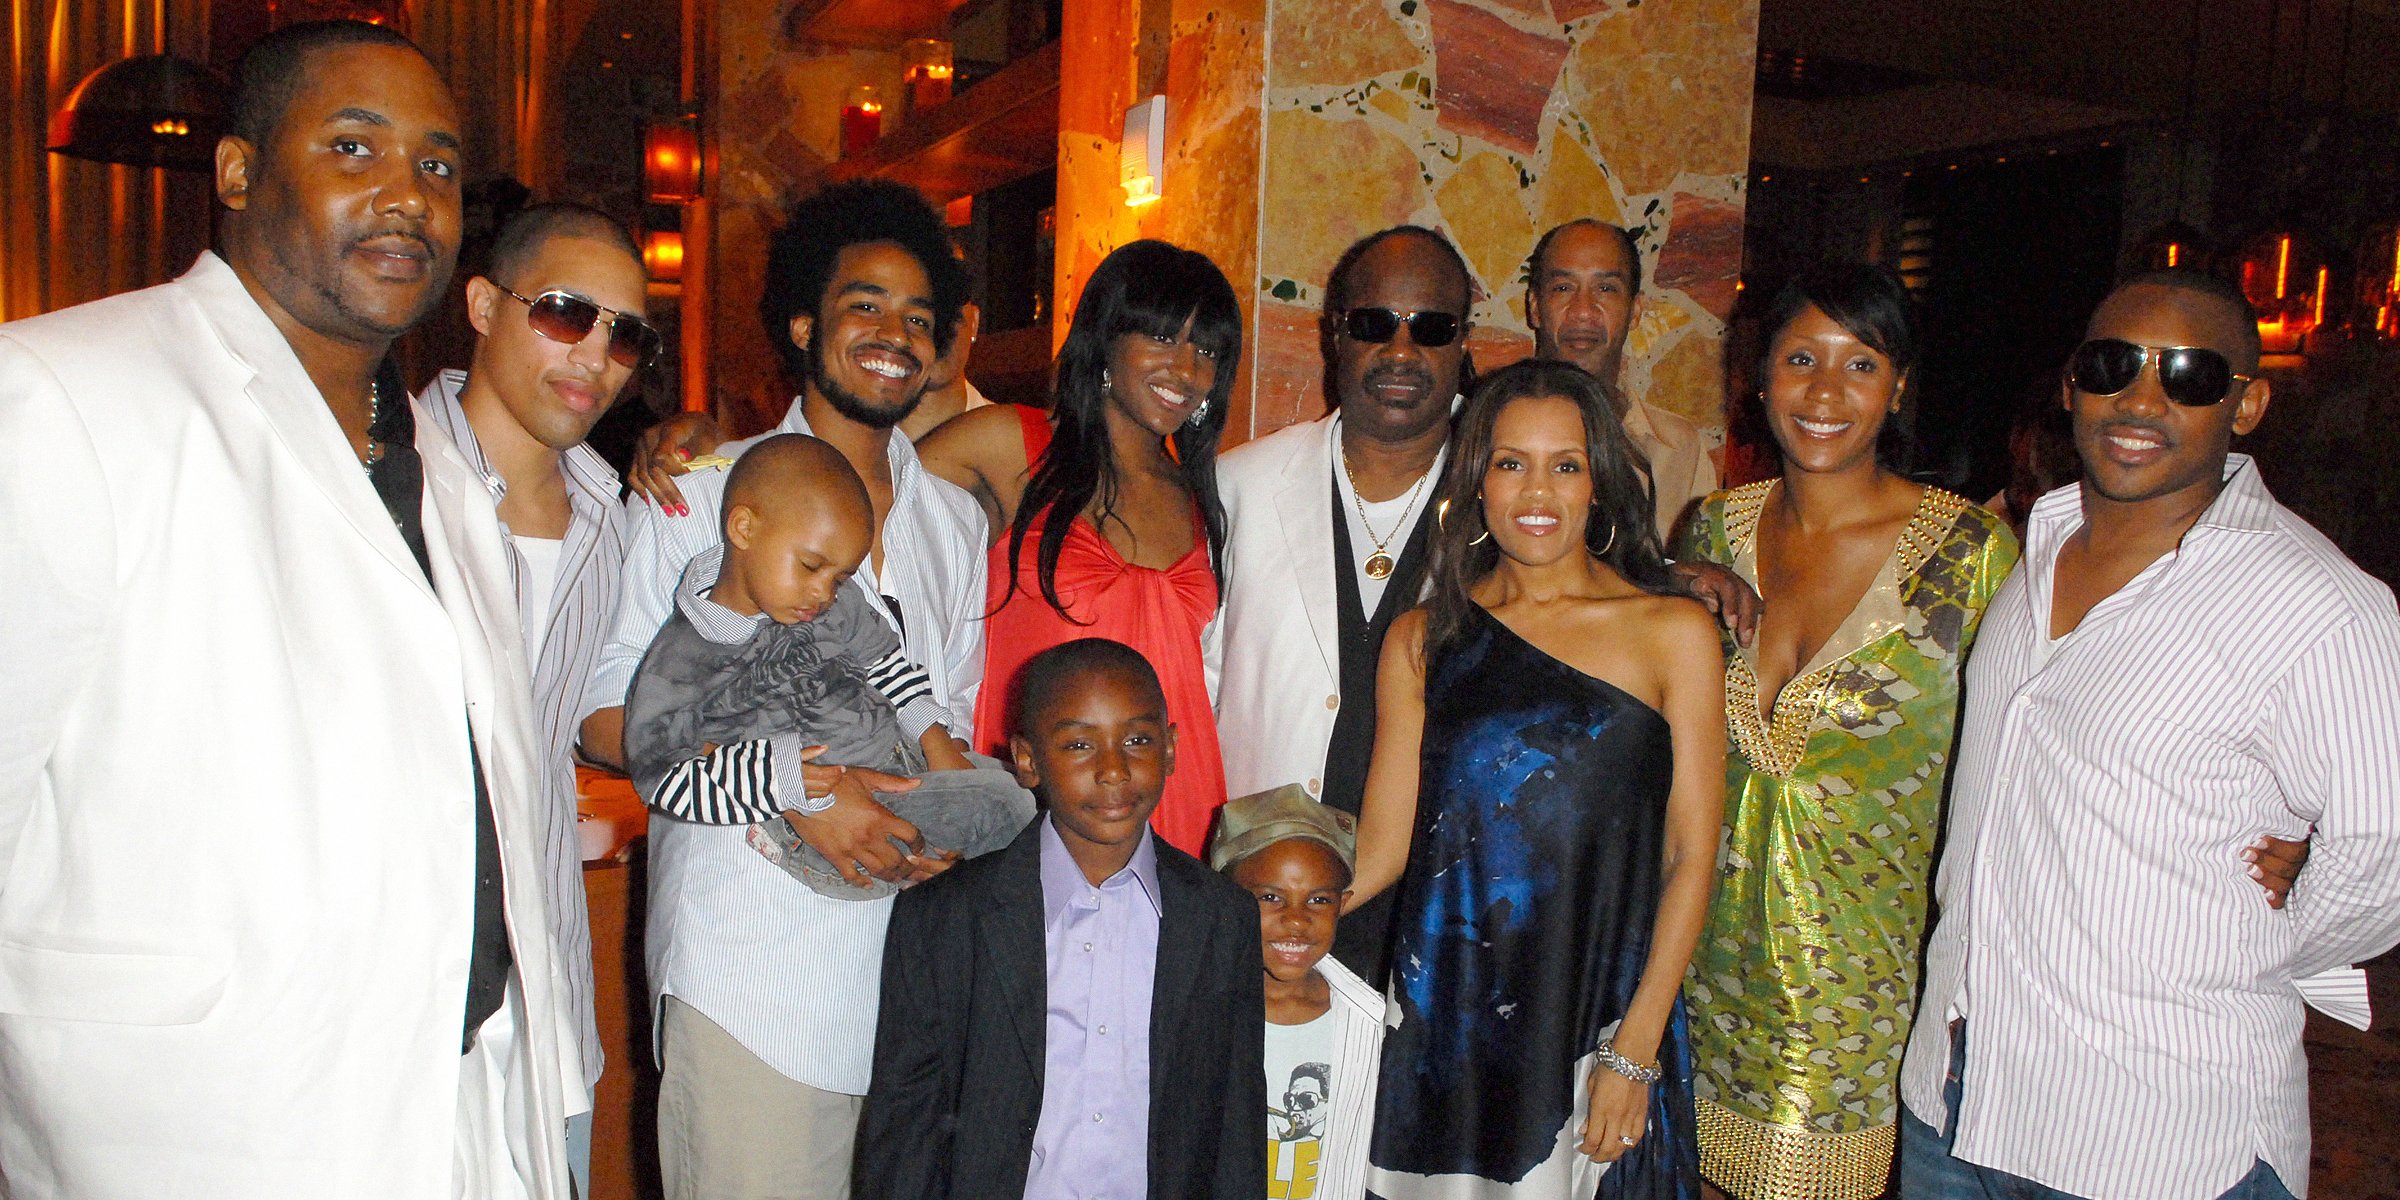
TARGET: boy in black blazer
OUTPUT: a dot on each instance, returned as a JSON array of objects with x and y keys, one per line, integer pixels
[{"x": 1010, "y": 1052}]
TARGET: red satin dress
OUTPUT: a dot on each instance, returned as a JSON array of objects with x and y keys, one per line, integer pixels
[{"x": 1157, "y": 612}]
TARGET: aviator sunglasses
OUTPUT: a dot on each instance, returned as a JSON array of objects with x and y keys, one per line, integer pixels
[
  {"x": 1380, "y": 325},
  {"x": 566, "y": 317},
  {"x": 2191, "y": 376}
]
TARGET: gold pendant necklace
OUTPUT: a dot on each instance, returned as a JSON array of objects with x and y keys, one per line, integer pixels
[{"x": 1379, "y": 564}]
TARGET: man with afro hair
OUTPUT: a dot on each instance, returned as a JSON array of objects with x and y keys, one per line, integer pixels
[{"x": 764, "y": 992}]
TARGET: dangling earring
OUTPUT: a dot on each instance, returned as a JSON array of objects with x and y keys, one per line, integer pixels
[
  {"x": 1104, "y": 379},
  {"x": 1612, "y": 540},
  {"x": 1198, "y": 414}
]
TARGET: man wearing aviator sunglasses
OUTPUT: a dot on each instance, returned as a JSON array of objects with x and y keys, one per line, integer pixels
[
  {"x": 555, "y": 344},
  {"x": 2178, "y": 665}
]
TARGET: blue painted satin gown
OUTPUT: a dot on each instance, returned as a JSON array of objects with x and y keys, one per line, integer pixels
[{"x": 1523, "y": 922}]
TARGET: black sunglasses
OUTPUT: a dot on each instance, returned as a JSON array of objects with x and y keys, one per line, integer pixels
[
  {"x": 2191, "y": 376},
  {"x": 1380, "y": 325},
  {"x": 566, "y": 317}
]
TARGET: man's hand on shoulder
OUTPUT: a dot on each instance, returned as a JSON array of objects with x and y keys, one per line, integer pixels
[{"x": 1725, "y": 594}]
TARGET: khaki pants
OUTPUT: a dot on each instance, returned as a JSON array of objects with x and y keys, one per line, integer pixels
[{"x": 730, "y": 1127}]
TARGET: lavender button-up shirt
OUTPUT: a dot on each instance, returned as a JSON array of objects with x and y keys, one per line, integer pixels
[{"x": 1093, "y": 1142}]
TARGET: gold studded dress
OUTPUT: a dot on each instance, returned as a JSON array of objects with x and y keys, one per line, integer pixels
[{"x": 1804, "y": 983}]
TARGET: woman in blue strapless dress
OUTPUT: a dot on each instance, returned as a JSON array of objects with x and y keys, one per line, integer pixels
[{"x": 1546, "y": 795}]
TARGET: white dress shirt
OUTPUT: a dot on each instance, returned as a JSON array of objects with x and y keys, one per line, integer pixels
[
  {"x": 565, "y": 616},
  {"x": 2135, "y": 1026},
  {"x": 791, "y": 975}
]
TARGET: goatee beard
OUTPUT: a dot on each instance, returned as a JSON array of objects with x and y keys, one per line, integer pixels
[{"x": 853, "y": 406}]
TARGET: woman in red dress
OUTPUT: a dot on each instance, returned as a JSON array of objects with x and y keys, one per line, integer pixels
[{"x": 1105, "y": 510}]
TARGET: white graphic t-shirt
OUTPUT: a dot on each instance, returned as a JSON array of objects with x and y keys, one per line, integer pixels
[{"x": 1300, "y": 1089}]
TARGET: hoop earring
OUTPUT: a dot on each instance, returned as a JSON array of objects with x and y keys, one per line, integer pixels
[
  {"x": 1481, "y": 538},
  {"x": 1612, "y": 540}
]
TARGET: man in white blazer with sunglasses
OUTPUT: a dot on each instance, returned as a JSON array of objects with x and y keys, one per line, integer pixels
[
  {"x": 271, "y": 904},
  {"x": 1328, "y": 525}
]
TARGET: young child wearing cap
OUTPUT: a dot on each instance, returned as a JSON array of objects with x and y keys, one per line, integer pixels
[
  {"x": 1074, "y": 1015},
  {"x": 1324, "y": 1033}
]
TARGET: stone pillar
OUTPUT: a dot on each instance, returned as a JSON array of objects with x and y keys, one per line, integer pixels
[{"x": 1488, "y": 119}]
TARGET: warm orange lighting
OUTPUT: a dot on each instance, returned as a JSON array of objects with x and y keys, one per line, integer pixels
[
  {"x": 671, "y": 163},
  {"x": 959, "y": 213},
  {"x": 2174, "y": 254},
  {"x": 171, "y": 128},
  {"x": 2285, "y": 278},
  {"x": 2376, "y": 290},
  {"x": 662, "y": 255},
  {"x": 862, "y": 119},
  {"x": 926, "y": 70}
]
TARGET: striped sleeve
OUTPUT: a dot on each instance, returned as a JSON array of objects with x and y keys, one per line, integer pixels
[
  {"x": 730, "y": 785},
  {"x": 2336, "y": 734},
  {"x": 910, "y": 689}
]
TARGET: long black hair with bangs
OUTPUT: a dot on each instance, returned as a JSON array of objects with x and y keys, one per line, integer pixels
[{"x": 1148, "y": 288}]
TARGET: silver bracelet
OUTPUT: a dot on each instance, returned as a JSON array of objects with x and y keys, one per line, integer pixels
[{"x": 1627, "y": 1067}]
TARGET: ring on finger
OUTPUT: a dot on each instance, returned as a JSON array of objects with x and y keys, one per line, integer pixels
[{"x": 1625, "y": 1140}]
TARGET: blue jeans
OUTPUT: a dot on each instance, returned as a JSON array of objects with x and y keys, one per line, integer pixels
[{"x": 1928, "y": 1170}]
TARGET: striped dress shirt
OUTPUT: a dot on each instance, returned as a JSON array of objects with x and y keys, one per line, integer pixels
[
  {"x": 791, "y": 975},
  {"x": 582, "y": 608},
  {"x": 2135, "y": 1025}
]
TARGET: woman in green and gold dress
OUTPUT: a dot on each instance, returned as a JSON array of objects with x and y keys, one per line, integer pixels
[{"x": 1840, "y": 718}]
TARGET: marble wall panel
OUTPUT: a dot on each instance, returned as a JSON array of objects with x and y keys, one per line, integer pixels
[{"x": 1510, "y": 117}]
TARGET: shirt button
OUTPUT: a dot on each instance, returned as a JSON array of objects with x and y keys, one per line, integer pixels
[
  {"x": 1333, "y": 701},
  {"x": 1315, "y": 786},
  {"x": 1104, "y": 1031},
  {"x": 1087, "y": 947},
  {"x": 1095, "y": 1118}
]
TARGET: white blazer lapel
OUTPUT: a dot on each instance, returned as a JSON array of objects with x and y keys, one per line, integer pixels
[
  {"x": 293, "y": 407},
  {"x": 1305, "y": 506}
]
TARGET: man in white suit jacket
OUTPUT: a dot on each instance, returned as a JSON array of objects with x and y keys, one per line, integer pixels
[
  {"x": 1295, "y": 696},
  {"x": 243, "y": 715}
]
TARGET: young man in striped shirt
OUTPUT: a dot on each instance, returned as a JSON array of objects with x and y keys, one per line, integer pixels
[
  {"x": 2178, "y": 665},
  {"x": 560, "y": 329}
]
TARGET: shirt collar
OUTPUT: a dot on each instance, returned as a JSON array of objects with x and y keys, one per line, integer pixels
[
  {"x": 1063, "y": 881},
  {"x": 899, "y": 452},
  {"x": 715, "y": 622},
  {"x": 592, "y": 485},
  {"x": 2242, "y": 505}
]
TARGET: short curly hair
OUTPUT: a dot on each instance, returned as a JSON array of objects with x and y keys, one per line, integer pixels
[{"x": 801, "y": 254}]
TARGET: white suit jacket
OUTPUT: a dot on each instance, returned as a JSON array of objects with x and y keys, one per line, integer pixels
[
  {"x": 237, "y": 819},
  {"x": 1276, "y": 643}
]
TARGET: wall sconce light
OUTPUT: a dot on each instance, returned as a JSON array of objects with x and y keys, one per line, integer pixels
[
  {"x": 671, "y": 162},
  {"x": 662, "y": 255},
  {"x": 1141, "y": 157},
  {"x": 2286, "y": 282},
  {"x": 151, "y": 111}
]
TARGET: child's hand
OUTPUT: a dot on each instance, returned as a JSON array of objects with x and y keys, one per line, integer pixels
[{"x": 943, "y": 752}]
